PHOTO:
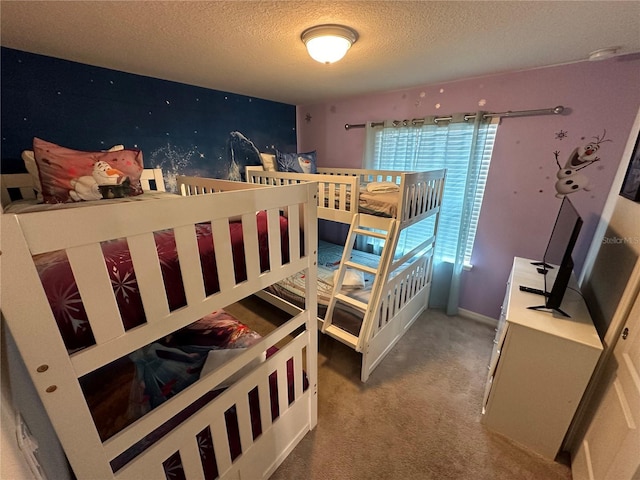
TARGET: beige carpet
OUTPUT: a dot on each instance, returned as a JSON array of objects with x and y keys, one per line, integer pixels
[{"x": 418, "y": 416}]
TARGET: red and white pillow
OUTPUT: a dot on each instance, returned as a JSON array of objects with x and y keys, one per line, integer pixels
[{"x": 67, "y": 175}]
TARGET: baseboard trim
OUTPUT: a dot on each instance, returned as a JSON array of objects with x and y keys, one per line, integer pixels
[{"x": 477, "y": 317}]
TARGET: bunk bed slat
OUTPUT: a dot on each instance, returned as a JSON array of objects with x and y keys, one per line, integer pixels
[
  {"x": 151, "y": 470},
  {"x": 191, "y": 461},
  {"x": 220, "y": 443},
  {"x": 244, "y": 423},
  {"x": 251, "y": 247},
  {"x": 293, "y": 215},
  {"x": 190, "y": 266},
  {"x": 146, "y": 265},
  {"x": 297, "y": 373},
  {"x": 275, "y": 242},
  {"x": 92, "y": 278},
  {"x": 223, "y": 253},
  {"x": 264, "y": 400},
  {"x": 283, "y": 392}
]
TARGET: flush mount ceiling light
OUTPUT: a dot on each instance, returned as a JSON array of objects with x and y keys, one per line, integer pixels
[
  {"x": 603, "y": 53},
  {"x": 328, "y": 43}
]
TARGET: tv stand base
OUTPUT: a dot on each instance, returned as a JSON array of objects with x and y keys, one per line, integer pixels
[{"x": 543, "y": 308}]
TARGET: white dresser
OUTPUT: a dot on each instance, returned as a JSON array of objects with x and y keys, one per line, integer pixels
[{"x": 540, "y": 364}]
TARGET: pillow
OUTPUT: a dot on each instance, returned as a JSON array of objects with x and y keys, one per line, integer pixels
[
  {"x": 115, "y": 148},
  {"x": 29, "y": 159},
  {"x": 296, "y": 162},
  {"x": 352, "y": 278},
  {"x": 68, "y": 175},
  {"x": 382, "y": 187},
  {"x": 217, "y": 358},
  {"x": 218, "y": 329},
  {"x": 268, "y": 162}
]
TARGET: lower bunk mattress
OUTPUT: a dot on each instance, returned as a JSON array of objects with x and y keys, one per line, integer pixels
[{"x": 358, "y": 287}]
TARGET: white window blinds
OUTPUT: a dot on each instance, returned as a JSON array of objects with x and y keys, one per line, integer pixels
[{"x": 435, "y": 146}]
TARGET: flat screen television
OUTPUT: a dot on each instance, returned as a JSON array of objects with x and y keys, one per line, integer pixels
[{"x": 557, "y": 262}]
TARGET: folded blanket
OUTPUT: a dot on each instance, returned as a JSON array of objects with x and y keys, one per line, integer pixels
[
  {"x": 382, "y": 187},
  {"x": 352, "y": 278}
]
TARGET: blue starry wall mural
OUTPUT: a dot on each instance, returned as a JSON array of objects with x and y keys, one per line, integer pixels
[{"x": 180, "y": 128}]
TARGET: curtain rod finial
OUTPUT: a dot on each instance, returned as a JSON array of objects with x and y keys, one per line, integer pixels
[{"x": 558, "y": 109}]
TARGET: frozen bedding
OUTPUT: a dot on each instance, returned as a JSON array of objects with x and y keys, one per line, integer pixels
[{"x": 123, "y": 391}]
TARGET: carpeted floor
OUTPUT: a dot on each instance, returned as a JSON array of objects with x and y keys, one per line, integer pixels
[{"x": 418, "y": 416}]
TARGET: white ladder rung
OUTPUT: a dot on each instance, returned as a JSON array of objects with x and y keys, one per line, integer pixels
[
  {"x": 370, "y": 233},
  {"x": 342, "y": 335},
  {"x": 359, "y": 266},
  {"x": 351, "y": 301}
]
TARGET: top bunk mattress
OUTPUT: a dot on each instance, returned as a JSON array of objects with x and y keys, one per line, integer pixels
[
  {"x": 32, "y": 205},
  {"x": 383, "y": 203}
]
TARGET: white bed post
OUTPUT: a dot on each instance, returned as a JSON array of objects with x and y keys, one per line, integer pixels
[{"x": 310, "y": 227}]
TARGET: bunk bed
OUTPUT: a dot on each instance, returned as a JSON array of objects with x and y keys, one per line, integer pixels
[
  {"x": 238, "y": 404},
  {"x": 366, "y": 301}
]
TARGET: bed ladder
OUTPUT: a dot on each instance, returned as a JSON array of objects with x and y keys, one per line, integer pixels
[{"x": 366, "y": 226}]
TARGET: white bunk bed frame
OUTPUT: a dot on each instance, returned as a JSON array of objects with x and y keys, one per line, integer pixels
[
  {"x": 55, "y": 373},
  {"x": 401, "y": 288}
]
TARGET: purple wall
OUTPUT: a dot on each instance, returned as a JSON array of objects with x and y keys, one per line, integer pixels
[{"x": 520, "y": 203}]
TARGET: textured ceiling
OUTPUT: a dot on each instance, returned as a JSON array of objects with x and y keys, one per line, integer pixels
[{"x": 253, "y": 47}]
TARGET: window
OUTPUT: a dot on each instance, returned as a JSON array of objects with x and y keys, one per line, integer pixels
[{"x": 434, "y": 146}]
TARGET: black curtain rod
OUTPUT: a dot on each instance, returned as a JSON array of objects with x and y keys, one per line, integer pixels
[{"x": 521, "y": 113}]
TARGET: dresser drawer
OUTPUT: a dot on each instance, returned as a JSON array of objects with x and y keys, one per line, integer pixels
[{"x": 494, "y": 361}]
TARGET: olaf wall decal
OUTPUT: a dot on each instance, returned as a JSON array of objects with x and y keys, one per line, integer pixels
[{"x": 570, "y": 177}]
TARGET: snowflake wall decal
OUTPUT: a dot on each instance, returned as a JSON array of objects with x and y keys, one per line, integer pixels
[{"x": 561, "y": 134}]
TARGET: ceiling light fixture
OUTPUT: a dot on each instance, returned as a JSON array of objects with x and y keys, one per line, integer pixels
[
  {"x": 328, "y": 43},
  {"x": 603, "y": 53}
]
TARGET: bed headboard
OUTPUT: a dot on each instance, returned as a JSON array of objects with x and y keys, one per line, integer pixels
[
  {"x": 152, "y": 175},
  {"x": 21, "y": 185}
]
